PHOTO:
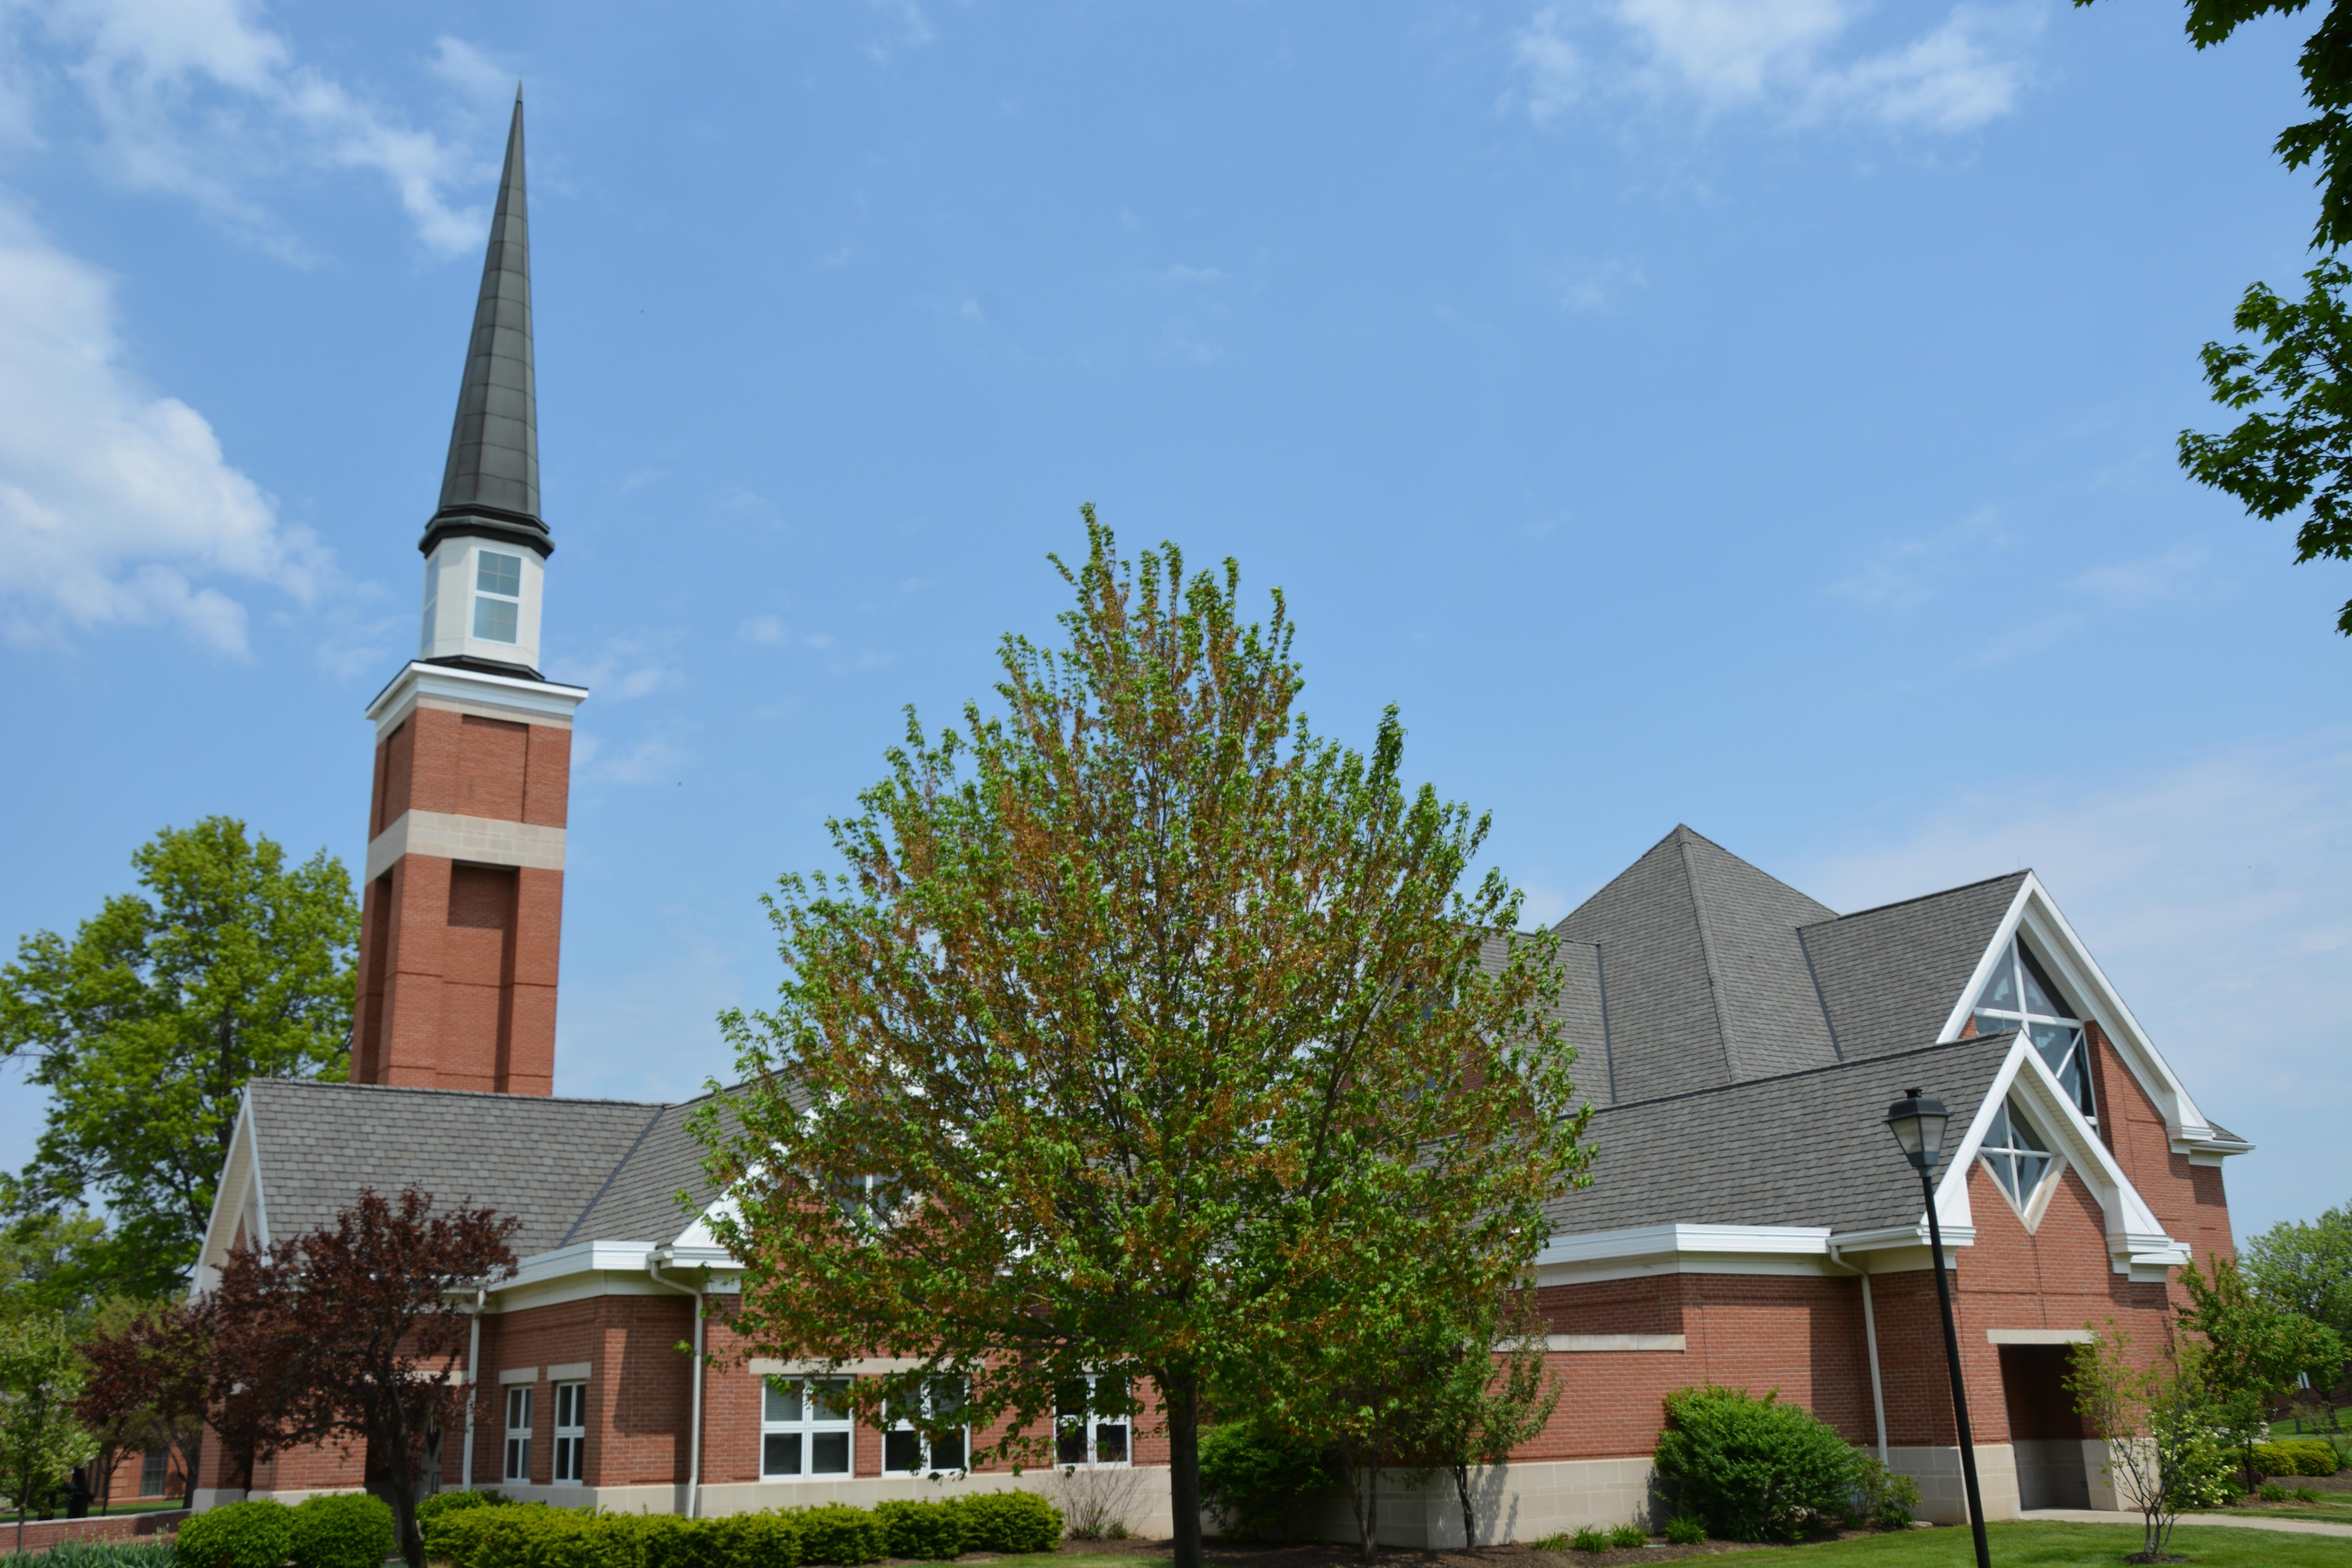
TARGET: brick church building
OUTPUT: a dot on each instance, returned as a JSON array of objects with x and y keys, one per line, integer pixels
[{"x": 1750, "y": 1223}]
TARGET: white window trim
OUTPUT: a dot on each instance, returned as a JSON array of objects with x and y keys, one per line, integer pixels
[
  {"x": 1090, "y": 1422},
  {"x": 528, "y": 1396},
  {"x": 576, "y": 1433},
  {"x": 2031, "y": 1205},
  {"x": 927, "y": 1469},
  {"x": 807, "y": 1430},
  {"x": 473, "y": 626},
  {"x": 2022, "y": 1020}
]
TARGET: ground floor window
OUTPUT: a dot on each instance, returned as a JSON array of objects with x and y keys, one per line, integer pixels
[
  {"x": 154, "y": 1471},
  {"x": 907, "y": 1451},
  {"x": 519, "y": 1432},
  {"x": 1090, "y": 1423},
  {"x": 804, "y": 1427},
  {"x": 571, "y": 1432}
]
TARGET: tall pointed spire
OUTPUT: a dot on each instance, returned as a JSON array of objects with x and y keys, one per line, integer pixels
[{"x": 490, "y": 486}]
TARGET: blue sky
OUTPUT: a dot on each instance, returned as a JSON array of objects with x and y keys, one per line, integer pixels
[{"x": 1752, "y": 413}]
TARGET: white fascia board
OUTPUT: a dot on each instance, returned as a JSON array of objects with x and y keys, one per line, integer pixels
[
  {"x": 2036, "y": 913},
  {"x": 581, "y": 1257},
  {"x": 528, "y": 699},
  {"x": 240, "y": 1177},
  {"x": 1671, "y": 1240},
  {"x": 697, "y": 1237}
]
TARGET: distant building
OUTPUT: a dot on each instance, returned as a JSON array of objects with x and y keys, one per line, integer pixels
[{"x": 1749, "y": 1224}]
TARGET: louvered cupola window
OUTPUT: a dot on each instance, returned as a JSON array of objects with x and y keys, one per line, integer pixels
[
  {"x": 2019, "y": 995},
  {"x": 2014, "y": 1152}
]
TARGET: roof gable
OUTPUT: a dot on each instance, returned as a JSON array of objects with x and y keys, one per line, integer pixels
[{"x": 1889, "y": 977}]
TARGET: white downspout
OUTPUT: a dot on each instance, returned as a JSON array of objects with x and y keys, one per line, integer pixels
[
  {"x": 473, "y": 1387},
  {"x": 1870, "y": 1338},
  {"x": 654, "y": 1261}
]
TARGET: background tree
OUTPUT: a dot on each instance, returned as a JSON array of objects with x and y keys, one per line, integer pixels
[
  {"x": 1139, "y": 1015},
  {"x": 2306, "y": 1268},
  {"x": 51, "y": 1261},
  {"x": 147, "y": 1379},
  {"x": 354, "y": 1333},
  {"x": 2276, "y": 463},
  {"x": 2253, "y": 1352},
  {"x": 40, "y": 1440},
  {"x": 228, "y": 964}
]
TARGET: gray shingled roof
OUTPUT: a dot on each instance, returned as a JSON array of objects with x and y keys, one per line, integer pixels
[
  {"x": 555, "y": 1164},
  {"x": 1890, "y": 977},
  {"x": 1799, "y": 1149}
]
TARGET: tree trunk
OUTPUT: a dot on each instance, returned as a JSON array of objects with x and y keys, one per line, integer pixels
[
  {"x": 1182, "y": 1393},
  {"x": 1469, "y": 1513}
]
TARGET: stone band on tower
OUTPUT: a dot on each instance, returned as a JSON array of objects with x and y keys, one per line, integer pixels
[{"x": 462, "y": 917}]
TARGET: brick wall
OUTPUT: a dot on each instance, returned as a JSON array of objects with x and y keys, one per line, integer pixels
[
  {"x": 2188, "y": 1199},
  {"x": 41, "y": 1534}
]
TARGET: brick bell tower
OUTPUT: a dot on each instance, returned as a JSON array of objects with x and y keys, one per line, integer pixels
[{"x": 464, "y": 905}]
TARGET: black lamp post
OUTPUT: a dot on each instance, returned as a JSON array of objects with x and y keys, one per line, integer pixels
[{"x": 1917, "y": 1123}]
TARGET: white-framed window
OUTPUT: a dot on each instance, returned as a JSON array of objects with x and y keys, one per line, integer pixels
[
  {"x": 905, "y": 1451},
  {"x": 432, "y": 599},
  {"x": 2015, "y": 1154},
  {"x": 571, "y": 1432},
  {"x": 498, "y": 596},
  {"x": 1089, "y": 1427},
  {"x": 804, "y": 1427},
  {"x": 519, "y": 1432},
  {"x": 2020, "y": 995}
]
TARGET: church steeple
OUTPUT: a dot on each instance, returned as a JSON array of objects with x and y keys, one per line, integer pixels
[
  {"x": 462, "y": 913},
  {"x": 490, "y": 483},
  {"x": 486, "y": 548}
]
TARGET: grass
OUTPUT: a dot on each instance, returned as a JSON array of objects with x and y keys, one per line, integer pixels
[
  {"x": 2039, "y": 1544},
  {"x": 2300, "y": 1427}
]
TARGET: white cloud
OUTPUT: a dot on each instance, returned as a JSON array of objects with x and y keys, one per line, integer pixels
[
  {"x": 2217, "y": 894},
  {"x": 1596, "y": 286},
  {"x": 2135, "y": 582},
  {"x": 1907, "y": 573},
  {"x": 1791, "y": 58},
  {"x": 116, "y": 502},
  {"x": 762, "y": 629},
  {"x": 201, "y": 100}
]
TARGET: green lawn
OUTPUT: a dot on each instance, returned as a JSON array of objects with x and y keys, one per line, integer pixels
[
  {"x": 2300, "y": 1427},
  {"x": 2029, "y": 1545},
  {"x": 2045, "y": 1546}
]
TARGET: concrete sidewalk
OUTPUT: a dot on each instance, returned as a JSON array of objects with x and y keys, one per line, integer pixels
[{"x": 2229, "y": 1521}]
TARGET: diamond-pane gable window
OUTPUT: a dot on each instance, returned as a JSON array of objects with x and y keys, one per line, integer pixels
[
  {"x": 2014, "y": 1152},
  {"x": 2020, "y": 995}
]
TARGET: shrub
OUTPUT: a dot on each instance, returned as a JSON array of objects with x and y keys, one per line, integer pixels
[
  {"x": 2270, "y": 1491},
  {"x": 344, "y": 1529},
  {"x": 2313, "y": 1456},
  {"x": 152, "y": 1553},
  {"x": 1686, "y": 1530},
  {"x": 1592, "y": 1538},
  {"x": 1011, "y": 1521},
  {"x": 439, "y": 1503},
  {"x": 1876, "y": 1495},
  {"x": 837, "y": 1533},
  {"x": 1755, "y": 1469},
  {"x": 1251, "y": 1474},
  {"x": 1629, "y": 1536},
  {"x": 735, "y": 1540},
  {"x": 2307, "y": 1494},
  {"x": 257, "y": 1533},
  {"x": 929, "y": 1530},
  {"x": 1556, "y": 1541}
]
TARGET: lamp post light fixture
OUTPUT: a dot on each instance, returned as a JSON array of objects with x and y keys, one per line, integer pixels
[{"x": 1917, "y": 1123}]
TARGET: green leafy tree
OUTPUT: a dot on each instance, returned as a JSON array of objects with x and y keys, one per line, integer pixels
[
  {"x": 227, "y": 964},
  {"x": 40, "y": 1440},
  {"x": 1141, "y": 1015},
  {"x": 1494, "y": 1391},
  {"x": 2253, "y": 1352},
  {"x": 51, "y": 1261},
  {"x": 2307, "y": 1268},
  {"x": 2157, "y": 1418},
  {"x": 2297, "y": 452}
]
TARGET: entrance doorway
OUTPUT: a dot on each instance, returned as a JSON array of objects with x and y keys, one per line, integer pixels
[{"x": 2044, "y": 1432}]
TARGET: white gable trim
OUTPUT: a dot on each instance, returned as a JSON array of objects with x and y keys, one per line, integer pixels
[
  {"x": 2137, "y": 1240},
  {"x": 2035, "y": 913},
  {"x": 238, "y": 1196}
]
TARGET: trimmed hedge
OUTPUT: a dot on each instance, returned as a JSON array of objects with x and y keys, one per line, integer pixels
[
  {"x": 343, "y": 1529},
  {"x": 2295, "y": 1456},
  {"x": 1007, "y": 1522},
  {"x": 928, "y": 1530},
  {"x": 256, "y": 1533}
]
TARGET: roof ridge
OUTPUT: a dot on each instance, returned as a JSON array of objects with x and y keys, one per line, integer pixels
[
  {"x": 1807, "y": 1072},
  {"x": 1682, "y": 836},
  {"x": 615, "y": 1174},
  {"x": 472, "y": 1093},
  {"x": 1919, "y": 897}
]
